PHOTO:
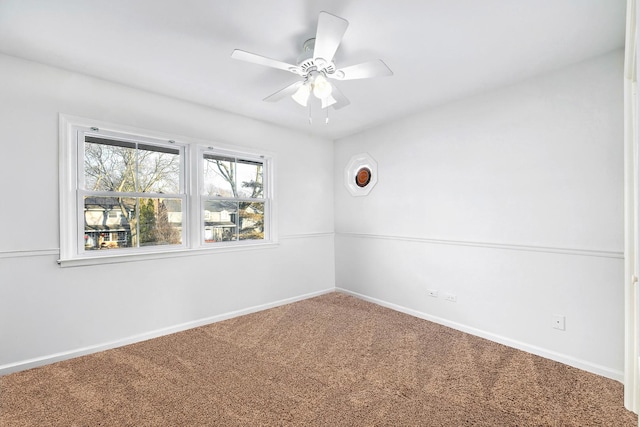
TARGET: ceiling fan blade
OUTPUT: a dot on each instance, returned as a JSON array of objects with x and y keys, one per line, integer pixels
[
  {"x": 365, "y": 70},
  {"x": 341, "y": 100},
  {"x": 329, "y": 34},
  {"x": 263, "y": 60},
  {"x": 283, "y": 93}
]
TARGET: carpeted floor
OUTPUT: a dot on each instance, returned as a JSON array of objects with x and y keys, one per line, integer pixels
[{"x": 332, "y": 360}]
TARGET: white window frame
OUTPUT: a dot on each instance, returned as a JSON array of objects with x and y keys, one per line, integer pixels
[{"x": 71, "y": 164}]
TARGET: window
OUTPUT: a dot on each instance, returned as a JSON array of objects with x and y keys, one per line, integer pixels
[
  {"x": 132, "y": 194},
  {"x": 233, "y": 199},
  {"x": 127, "y": 194}
]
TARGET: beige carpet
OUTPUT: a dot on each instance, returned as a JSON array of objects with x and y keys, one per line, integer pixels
[{"x": 332, "y": 360}]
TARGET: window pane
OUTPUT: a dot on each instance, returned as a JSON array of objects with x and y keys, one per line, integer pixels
[
  {"x": 160, "y": 221},
  {"x": 158, "y": 170},
  {"x": 220, "y": 221},
  {"x": 251, "y": 221},
  {"x": 249, "y": 179},
  {"x": 112, "y": 165},
  {"x": 219, "y": 177},
  {"x": 109, "y": 222},
  {"x": 109, "y": 167}
]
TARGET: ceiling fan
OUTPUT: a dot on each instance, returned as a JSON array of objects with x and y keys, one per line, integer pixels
[{"x": 315, "y": 65}]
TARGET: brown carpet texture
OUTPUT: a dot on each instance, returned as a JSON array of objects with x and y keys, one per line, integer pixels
[{"x": 333, "y": 360}]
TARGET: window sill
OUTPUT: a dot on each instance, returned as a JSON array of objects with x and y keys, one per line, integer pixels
[{"x": 175, "y": 253}]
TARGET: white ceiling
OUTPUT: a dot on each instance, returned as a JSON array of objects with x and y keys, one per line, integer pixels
[{"x": 439, "y": 50}]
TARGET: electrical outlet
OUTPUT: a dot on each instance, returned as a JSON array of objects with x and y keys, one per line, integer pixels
[
  {"x": 432, "y": 293},
  {"x": 450, "y": 297},
  {"x": 559, "y": 322}
]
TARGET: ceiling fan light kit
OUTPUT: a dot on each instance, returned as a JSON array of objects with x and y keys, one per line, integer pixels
[
  {"x": 301, "y": 96},
  {"x": 315, "y": 65}
]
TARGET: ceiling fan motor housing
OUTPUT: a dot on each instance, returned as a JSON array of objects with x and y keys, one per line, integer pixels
[{"x": 307, "y": 63}]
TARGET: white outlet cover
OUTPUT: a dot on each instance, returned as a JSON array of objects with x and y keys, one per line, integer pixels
[{"x": 559, "y": 322}]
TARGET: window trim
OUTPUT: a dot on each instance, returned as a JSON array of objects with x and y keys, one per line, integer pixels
[{"x": 193, "y": 229}]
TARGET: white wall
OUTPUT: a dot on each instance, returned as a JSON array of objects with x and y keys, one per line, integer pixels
[
  {"x": 48, "y": 312},
  {"x": 511, "y": 200}
]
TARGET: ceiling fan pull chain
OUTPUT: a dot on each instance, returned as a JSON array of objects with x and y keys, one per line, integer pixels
[
  {"x": 326, "y": 120},
  {"x": 310, "y": 120}
]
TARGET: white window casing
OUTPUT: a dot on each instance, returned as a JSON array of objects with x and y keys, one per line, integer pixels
[{"x": 90, "y": 230}]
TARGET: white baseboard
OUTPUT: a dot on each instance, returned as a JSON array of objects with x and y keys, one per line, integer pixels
[
  {"x": 558, "y": 357},
  {"x": 57, "y": 357}
]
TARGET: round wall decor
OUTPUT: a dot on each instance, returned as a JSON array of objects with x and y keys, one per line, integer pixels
[
  {"x": 361, "y": 174},
  {"x": 363, "y": 177}
]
